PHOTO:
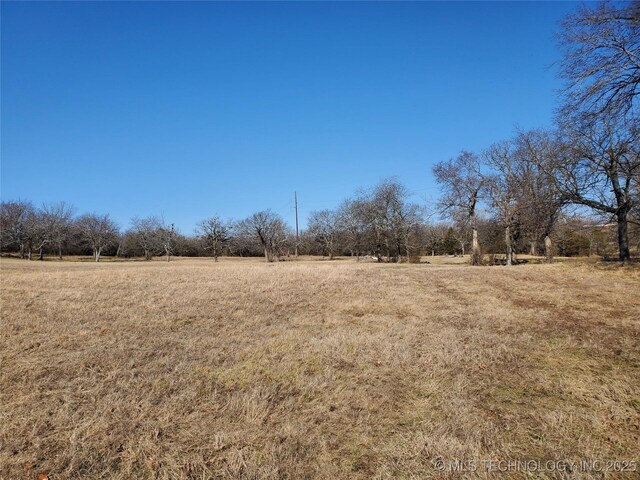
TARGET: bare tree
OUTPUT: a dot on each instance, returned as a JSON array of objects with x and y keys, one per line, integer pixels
[
  {"x": 600, "y": 170},
  {"x": 392, "y": 217},
  {"x": 214, "y": 235},
  {"x": 352, "y": 221},
  {"x": 98, "y": 232},
  {"x": 269, "y": 229},
  {"x": 504, "y": 192},
  {"x": 42, "y": 227},
  {"x": 324, "y": 226},
  {"x": 14, "y": 224},
  {"x": 599, "y": 115},
  {"x": 461, "y": 230},
  {"x": 58, "y": 222},
  {"x": 167, "y": 239},
  {"x": 146, "y": 232},
  {"x": 539, "y": 201},
  {"x": 434, "y": 235},
  {"x": 463, "y": 185},
  {"x": 601, "y": 60}
]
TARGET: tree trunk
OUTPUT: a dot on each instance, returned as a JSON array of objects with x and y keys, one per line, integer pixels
[
  {"x": 266, "y": 255},
  {"x": 548, "y": 249},
  {"x": 97, "y": 252},
  {"x": 476, "y": 255},
  {"x": 22, "y": 251},
  {"x": 41, "y": 253},
  {"x": 60, "y": 252},
  {"x": 407, "y": 248},
  {"x": 623, "y": 236},
  {"x": 532, "y": 248},
  {"x": 507, "y": 241},
  {"x": 29, "y": 248}
]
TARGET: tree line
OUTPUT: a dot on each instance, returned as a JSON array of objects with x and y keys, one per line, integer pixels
[
  {"x": 380, "y": 224},
  {"x": 514, "y": 196}
]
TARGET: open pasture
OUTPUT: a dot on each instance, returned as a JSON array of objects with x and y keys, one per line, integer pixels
[{"x": 314, "y": 369}]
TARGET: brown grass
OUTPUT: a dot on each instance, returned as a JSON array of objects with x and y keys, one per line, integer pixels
[{"x": 314, "y": 369}]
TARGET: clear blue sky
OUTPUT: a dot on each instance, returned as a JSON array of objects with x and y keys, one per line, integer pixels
[{"x": 187, "y": 109}]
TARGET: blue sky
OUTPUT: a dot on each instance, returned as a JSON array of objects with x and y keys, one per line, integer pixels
[{"x": 190, "y": 109}]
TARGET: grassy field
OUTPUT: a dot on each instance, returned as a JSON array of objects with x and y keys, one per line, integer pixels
[{"x": 192, "y": 369}]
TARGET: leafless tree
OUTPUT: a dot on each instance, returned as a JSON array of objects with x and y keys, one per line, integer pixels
[
  {"x": 98, "y": 232},
  {"x": 324, "y": 226},
  {"x": 146, "y": 232},
  {"x": 269, "y": 229},
  {"x": 392, "y": 217},
  {"x": 601, "y": 61},
  {"x": 601, "y": 169},
  {"x": 463, "y": 185},
  {"x": 599, "y": 115},
  {"x": 14, "y": 224},
  {"x": 434, "y": 234},
  {"x": 214, "y": 235},
  {"x": 57, "y": 223},
  {"x": 532, "y": 169},
  {"x": 461, "y": 230},
  {"x": 504, "y": 192},
  {"x": 42, "y": 228},
  {"x": 167, "y": 239},
  {"x": 353, "y": 222}
]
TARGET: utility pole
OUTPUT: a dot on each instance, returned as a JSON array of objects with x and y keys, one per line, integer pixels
[{"x": 295, "y": 196}]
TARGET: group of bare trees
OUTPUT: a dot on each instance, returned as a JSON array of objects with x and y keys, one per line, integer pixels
[
  {"x": 599, "y": 121},
  {"x": 26, "y": 230},
  {"x": 151, "y": 235},
  {"x": 524, "y": 184},
  {"x": 591, "y": 159},
  {"x": 269, "y": 229},
  {"x": 53, "y": 227},
  {"x": 464, "y": 185},
  {"x": 514, "y": 182},
  {"x": 381, "y": 222}
]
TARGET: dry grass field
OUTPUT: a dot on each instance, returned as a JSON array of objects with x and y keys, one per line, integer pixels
[{"x": 311, "y": 369}]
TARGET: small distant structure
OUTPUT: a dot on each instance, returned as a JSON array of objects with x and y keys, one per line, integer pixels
[{"x": 603, "y": 227}]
